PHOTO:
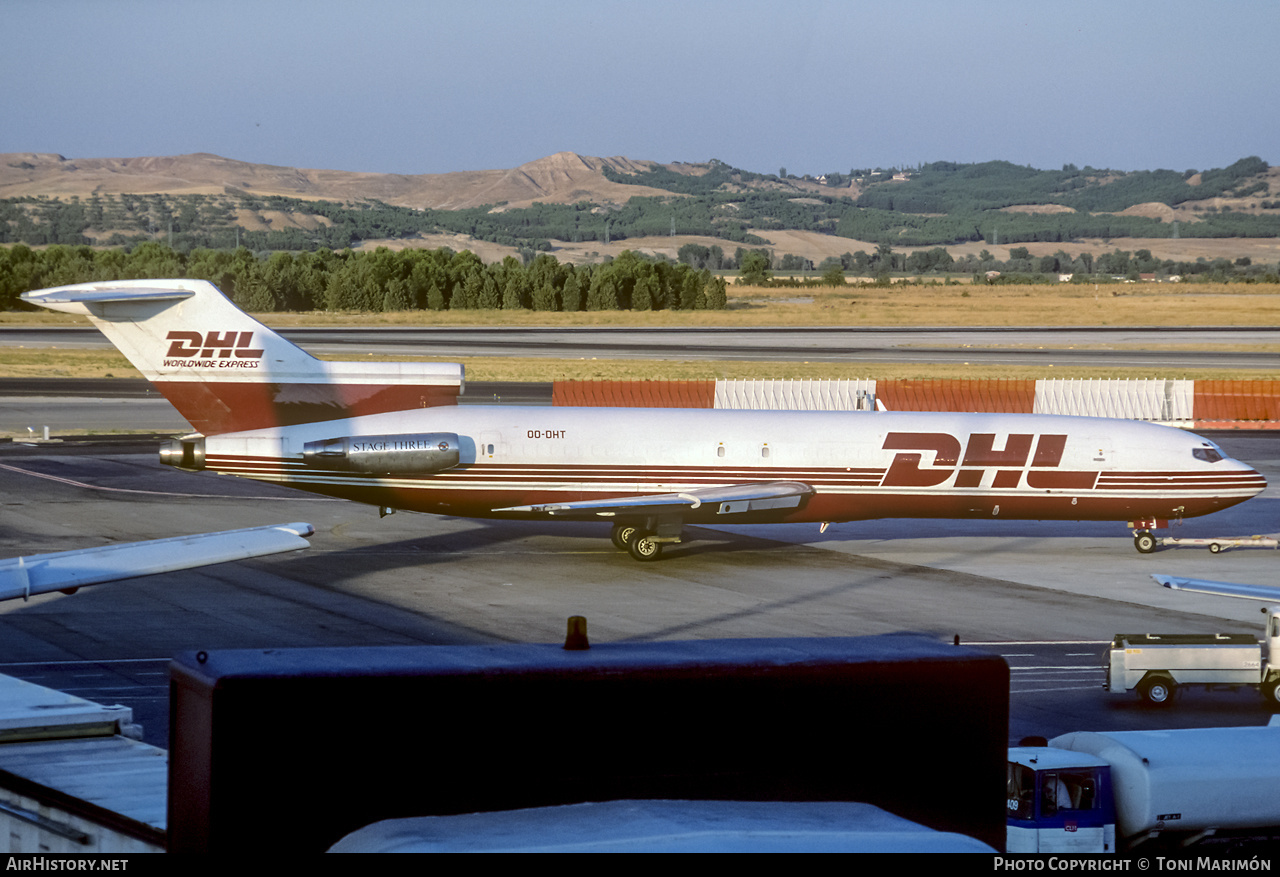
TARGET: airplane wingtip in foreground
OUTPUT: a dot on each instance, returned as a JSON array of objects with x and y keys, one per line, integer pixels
[
  {"x": 387, "y": 434},
  {"x": 1269, "y": 593},
  {"x": 68, "y": 571}
]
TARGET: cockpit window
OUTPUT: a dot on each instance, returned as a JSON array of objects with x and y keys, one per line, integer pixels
[{"x": 1207, "y": 453}]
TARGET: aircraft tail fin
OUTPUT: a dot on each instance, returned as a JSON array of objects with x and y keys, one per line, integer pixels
[{"x": 226, "y": 372}]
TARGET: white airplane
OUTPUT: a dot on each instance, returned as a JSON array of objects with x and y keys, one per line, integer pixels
[
  {"x": 387, "y": 434},
  {"x": 69, "y": 571}
]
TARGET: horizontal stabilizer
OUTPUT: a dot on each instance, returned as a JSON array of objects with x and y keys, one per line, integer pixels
[
  {"x": 1269, "y": 593},
  {"x": 69, "y": 297},
  {"x": 735, "y": 499},
  {"x": 67, "y": 570}
]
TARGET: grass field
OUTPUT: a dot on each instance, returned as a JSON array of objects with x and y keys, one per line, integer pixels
[{"x": 1165, "y": 304}]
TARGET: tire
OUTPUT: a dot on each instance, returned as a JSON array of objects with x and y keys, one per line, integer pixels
[
  {"x": 1271, "y": 691},
  {"x": 642, "y": 546},
  {"x": 1214, "y": 547},
  {"x": 621, "y": 535},
  {"x": 1144, "y": 542},
  {"x": 1158, "y": 691}
]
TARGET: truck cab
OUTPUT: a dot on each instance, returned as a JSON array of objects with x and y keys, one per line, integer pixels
[{"x": 1059, "y": 802}]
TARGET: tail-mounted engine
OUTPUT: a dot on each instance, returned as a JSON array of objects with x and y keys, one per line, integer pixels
[
  {"x": 184, "y": 453},
  {"x": 407, "y": 454}
]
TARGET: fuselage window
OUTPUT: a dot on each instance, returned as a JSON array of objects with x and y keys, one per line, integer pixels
[
  {"x": 720, "y": 451},
  {"x": 764, "y": 452}
]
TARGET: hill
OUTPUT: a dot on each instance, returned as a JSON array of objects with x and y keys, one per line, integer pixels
[
  {"x": 585, "y": 207},
  {"x": 557, "y": 179}
]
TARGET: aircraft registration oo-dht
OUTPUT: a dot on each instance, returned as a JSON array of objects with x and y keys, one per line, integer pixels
[{"x": 391, "y": 435}]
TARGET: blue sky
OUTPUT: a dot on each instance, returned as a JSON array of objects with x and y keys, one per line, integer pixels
[{"x": 812, "y": 86}]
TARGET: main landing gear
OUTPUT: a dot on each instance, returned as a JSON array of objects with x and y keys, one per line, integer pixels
[{"x": 641, "y": 542}]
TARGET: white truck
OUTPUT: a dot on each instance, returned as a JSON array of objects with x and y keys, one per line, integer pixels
[
  {"x": 1094, "y": 792},
  {"x": 1156, "y": 665}
]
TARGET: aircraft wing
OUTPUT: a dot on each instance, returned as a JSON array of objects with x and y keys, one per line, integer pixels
[
  {"x": 68, "y": 570},
  {"x": 735, "y": 499},
  {"x": 1221, "y": 589}
]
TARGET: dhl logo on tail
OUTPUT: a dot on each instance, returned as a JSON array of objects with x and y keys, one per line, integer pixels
[{"x": 224, "y": 344}]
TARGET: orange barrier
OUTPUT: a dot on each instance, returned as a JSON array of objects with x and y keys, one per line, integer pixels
[
  {"x": 1217, "y": 404},
  {"x": 634, "y": 394},
  {"x": 992, "y": 396},
  {"x": 1237, "y": 400}
]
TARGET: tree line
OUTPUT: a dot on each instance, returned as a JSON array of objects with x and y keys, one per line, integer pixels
[{"x": 378, "y": 281}]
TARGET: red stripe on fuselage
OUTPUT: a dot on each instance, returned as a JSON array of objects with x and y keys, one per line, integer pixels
[{"x": 476, "y": 490}]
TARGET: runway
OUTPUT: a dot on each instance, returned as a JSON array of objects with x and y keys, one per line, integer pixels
[
  {"x": 1048, "y": 596},
  {"x": 1099, "y": 346}
]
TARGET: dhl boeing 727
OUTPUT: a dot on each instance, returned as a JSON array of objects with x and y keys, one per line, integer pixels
[{"x": 390, "y": 435}]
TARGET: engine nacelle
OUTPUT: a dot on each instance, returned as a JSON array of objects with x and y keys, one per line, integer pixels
[
  {"x": 184, "y": 453},
  {"x": 405, "y": 454}
]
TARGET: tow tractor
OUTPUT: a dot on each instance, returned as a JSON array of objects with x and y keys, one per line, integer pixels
[{"x": 1146, "y": 541}]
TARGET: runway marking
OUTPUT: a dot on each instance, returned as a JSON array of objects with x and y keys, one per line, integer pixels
[
  {"x": 1039, "y": 642},
  {"x": 105, "y": 690},
  {"x": 82, "y": 484},
  {"x": 86, "y": 661}
]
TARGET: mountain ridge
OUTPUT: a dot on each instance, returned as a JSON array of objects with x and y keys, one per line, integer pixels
[{"x": 563, "y": 177}]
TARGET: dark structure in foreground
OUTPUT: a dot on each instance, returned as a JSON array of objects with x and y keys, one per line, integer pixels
[{"x": 290, "y": 750}]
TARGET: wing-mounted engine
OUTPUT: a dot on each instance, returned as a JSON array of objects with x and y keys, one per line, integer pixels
[{"x": 404, "y": 454}]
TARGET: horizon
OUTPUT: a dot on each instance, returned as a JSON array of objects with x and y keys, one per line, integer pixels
[{"x": 790, "y": 172}]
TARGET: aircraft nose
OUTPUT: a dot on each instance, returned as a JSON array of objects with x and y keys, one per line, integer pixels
[{"x": 1248, "y": 478}]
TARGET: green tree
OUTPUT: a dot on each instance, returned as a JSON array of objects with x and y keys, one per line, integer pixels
[
  {"x": 435, "y": 298},
  {"x": 571, "y": 296},
  {"x": 397, "y": 297},
  {"x": 715, "y": 292},
  {"x": 753, "y": 269}
]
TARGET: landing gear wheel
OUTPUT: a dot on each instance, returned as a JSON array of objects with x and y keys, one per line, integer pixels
[
  {"x": 1271, "y": 691},
  {"x": 621, "y": 535},
  {"x": 643, "y": 547},
  {"x": 1158, "y": 691},
  {"x": 1214, "y": 547},
  {"x": 1144, "y": 542}
]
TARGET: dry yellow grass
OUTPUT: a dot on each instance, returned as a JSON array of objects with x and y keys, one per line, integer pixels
[
  {"x": 1135, "y": 304},
  {"x": 29, "y": 363}
]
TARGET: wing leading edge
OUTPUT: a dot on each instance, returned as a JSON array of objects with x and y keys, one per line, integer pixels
[
  {"x": 1220, "y": 589},
  {"x": 69, "y": 570},
  {"x": 738, "y": 499}
]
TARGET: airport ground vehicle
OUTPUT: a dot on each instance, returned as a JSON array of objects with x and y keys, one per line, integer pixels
[
  {"x": 1216, "y": 544},
  {"x": 1094, "y": 792},
  {"x": 1155, "y": 665}
]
